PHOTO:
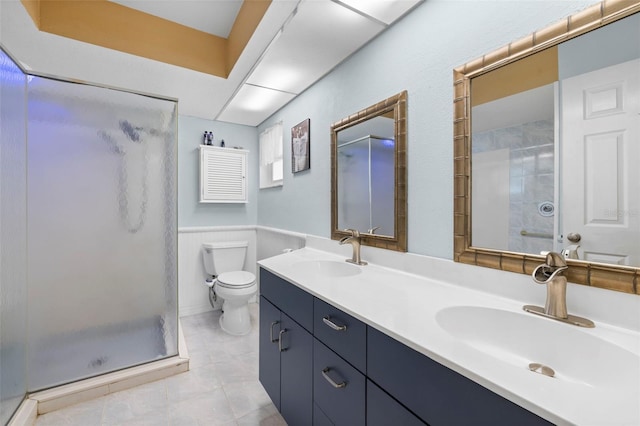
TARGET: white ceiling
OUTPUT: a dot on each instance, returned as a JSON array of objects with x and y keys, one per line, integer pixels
[
  {"x": 316, "y": 36},
  {"x": 296, "y": 43}
]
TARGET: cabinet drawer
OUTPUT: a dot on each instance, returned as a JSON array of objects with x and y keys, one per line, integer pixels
[
  {"x": 437, "y": 394},
  {"x": 338, "y": 388},
  {"x": 297, "y": 303},
  {"x": 341, "y": 332},
  {"x": 382, "y": 410}
]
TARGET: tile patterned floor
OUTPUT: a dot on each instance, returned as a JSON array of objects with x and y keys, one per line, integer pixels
[{"x": 221, "y": 387}]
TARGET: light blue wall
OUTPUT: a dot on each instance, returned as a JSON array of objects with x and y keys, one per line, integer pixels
[
  {"x": 417, "y": 54},
  {"x": 190, "y": 211}
]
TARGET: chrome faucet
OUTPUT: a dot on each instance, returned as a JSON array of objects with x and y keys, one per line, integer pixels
[
  {"x": 551, "y": 273},
  {"x": 354, "y": 240}
]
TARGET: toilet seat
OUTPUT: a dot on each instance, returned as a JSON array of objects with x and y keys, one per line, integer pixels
[{"x": 236, "y": 279}]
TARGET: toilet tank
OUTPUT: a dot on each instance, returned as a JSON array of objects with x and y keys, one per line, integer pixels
[{"x": 224, "y": 256}]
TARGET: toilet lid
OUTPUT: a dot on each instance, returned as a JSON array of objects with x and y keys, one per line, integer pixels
[{"x": 236, "y": 279}]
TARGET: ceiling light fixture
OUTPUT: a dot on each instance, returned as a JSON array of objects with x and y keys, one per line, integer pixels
[
  {"x": 384, "y": 12},
  {"x": 262, "y": 55},
  {"x": 355, "y": 6}
]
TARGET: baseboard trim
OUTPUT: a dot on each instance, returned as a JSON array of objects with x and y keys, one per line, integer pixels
[{"x": 26, "y": 414}]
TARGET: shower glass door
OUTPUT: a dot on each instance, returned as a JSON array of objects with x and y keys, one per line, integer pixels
[
  {"x": 13, "y": 237},
  {"x": 102, "y": 218}
]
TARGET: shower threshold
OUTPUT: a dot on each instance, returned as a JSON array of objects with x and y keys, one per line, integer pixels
[{"x": 84, "y": 390}]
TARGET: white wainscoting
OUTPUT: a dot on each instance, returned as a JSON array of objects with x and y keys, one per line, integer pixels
[
  {"x": 193, "y": 295},
  {"x": 272, "y": 241}
]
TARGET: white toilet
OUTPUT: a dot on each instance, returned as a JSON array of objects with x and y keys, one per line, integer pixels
[{"x": 224, "y": 261}]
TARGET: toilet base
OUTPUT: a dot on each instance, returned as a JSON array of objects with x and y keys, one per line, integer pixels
[{"x": 236, "y": 320}]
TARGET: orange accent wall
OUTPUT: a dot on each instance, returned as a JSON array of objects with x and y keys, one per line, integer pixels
[
  {"x": 33, "y": 8},
  {"x": 249, "y": 16},
  {"x": 525, "y": 74},
  {"x": 111, "y": 25}
]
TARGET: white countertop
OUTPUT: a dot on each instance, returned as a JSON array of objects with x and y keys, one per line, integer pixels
[{"x": 405, "y": 307}]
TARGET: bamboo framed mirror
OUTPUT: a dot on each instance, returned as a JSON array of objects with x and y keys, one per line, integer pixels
[
  {"x": 369, "y": 174},
  {"x": 536, "y": 168}
]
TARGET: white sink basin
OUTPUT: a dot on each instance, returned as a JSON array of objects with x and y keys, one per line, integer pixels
[
  {"x": 521, "y": 338},
  {"x": 326, "y": 268}
]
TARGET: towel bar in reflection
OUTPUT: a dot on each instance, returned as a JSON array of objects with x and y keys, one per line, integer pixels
[{"x": 535, "y": 234}]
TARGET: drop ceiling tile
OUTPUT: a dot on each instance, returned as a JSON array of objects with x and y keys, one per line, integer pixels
[
  {"x": 383, "y": 10},
  {"x": 252, "y": 105},
  {"x": 319, "y": 37}
]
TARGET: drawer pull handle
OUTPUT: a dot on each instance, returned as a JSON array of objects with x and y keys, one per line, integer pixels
[
  {"x": 271, "y": 332},
  {"x": 331, "y": 381},
  {"x": 280, "y": 348},
  {"x": 333, "y": 325}
]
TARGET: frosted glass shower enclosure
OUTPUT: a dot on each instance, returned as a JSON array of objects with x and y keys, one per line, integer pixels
[
  {"x": 102, "y": 230},
  {"x": 13, "y": 237}
]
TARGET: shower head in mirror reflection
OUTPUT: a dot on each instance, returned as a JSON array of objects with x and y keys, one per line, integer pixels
[{"x": 592, "y": 57}]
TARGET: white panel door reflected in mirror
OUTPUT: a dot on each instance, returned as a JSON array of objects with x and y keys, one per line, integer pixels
[{"x": 569, "y": 120}]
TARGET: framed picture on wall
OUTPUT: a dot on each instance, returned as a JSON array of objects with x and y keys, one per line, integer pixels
[{"x": 300, "y": 146}]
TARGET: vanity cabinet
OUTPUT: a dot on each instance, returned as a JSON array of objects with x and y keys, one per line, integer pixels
[
  {"x": 322, "y": 366},
  {"x": 435, "y": 393},
  {"x": 286, "y": 348}
]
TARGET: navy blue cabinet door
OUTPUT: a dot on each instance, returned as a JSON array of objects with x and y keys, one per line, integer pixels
[
  {"x": 269, "y": 365},
  {"x": 296, "y": 363},
  {"x": 382, "y": 410},
  {"x": 320, "y": 418}
]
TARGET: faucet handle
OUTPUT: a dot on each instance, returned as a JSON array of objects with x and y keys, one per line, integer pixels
[
  {"x": 555, "y": 260},
  {"x": 354, "y": 232},
  {"x": 373, "y": 230}
]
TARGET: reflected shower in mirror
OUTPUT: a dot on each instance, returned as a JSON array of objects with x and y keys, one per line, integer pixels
[
  {"x": 520, "y": 201},
  {"x": 366, "y": 175},
  {"x": 547, "y": 145},
  {"x": 369, "y": 174}
]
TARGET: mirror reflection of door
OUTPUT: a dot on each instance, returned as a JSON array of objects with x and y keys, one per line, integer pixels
[{"x": 600, "y": 162}]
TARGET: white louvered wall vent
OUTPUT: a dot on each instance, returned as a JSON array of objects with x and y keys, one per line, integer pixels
[{"x": 223, "y": 175}]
